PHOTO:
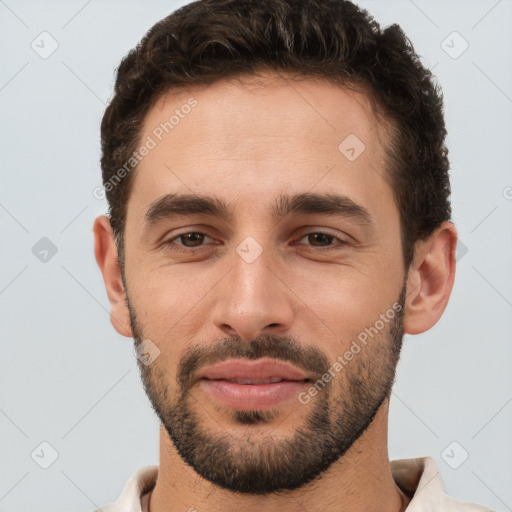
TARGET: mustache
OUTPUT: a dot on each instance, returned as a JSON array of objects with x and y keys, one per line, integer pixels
[{"x": 286, "y": 349}]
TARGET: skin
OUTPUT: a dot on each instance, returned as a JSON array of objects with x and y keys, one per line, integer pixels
[{"x": 247, "y": 143}]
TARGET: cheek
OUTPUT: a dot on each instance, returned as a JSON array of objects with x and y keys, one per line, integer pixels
[
  {"x": 333, "y": 303},
  {"x": 170, "y": 304},
  {"x": 338, "y": 302}
]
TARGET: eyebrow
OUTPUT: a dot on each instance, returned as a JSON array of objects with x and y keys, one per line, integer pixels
[{"x": 171, "y": 205}]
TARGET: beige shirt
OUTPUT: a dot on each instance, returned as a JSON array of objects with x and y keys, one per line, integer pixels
[{"x": 419, "y": 478}]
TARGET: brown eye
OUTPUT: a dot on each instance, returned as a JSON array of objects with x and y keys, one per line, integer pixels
[
  {"x": 319, "y": 238},
  {"x": 187, "y": 241},
  {"x": 194, "y": 239},
  {"x": 323, "y": 240}
]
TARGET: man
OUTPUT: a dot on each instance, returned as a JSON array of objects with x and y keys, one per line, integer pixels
[{"x": 279, "y": 217}]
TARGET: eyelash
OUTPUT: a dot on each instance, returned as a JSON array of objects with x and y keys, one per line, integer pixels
[{"x": 183, "y": 249}]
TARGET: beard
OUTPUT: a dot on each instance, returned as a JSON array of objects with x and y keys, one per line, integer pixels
[{"x": 339, "y": 413}]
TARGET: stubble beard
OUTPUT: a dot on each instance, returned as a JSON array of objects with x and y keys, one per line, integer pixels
[{"x": 268, "y": 462}]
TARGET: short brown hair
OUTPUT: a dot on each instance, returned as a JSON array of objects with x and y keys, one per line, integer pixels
[{"x": 209, "y": 40}]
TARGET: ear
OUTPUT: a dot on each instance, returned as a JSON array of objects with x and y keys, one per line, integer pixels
[
  {"x": 106, "y": 256},
  {"x": 430, "y": 279}
]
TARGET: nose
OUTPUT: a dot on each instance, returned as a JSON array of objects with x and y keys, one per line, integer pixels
[{"x": 254, "y": 299}]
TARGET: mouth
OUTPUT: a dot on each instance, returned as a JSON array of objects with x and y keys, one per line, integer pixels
[
  {"x": 252, "y": 384},
  {"x": 249, "y": 371},
  {"x": 244, "y": 381}
]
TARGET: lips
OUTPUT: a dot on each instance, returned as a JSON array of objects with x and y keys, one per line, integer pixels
[
  {"x": 252, "y": 384},
  {"x": 272, "y": 380},
  {"x": 252, "y": 371}
]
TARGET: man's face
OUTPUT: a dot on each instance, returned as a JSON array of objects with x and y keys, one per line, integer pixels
[{"x": 279, "y": 290}]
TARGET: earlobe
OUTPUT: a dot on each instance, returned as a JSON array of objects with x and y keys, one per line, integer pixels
[
  {"x": 105, "y": 252},
  {"x": 430, "y": 279}
]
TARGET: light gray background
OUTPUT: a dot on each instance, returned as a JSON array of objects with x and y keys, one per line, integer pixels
[{"x": 69, "y": 379}]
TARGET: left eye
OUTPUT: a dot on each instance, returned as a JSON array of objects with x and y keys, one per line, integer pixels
[{"x": 323, "y": 238}]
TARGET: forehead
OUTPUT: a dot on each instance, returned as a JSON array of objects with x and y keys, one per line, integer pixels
[
  {"x": 268, "y": 105},
  {"x": 252, "y": 134}
]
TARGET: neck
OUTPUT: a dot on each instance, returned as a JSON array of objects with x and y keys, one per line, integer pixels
[{"x": 359, "y": 481}]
